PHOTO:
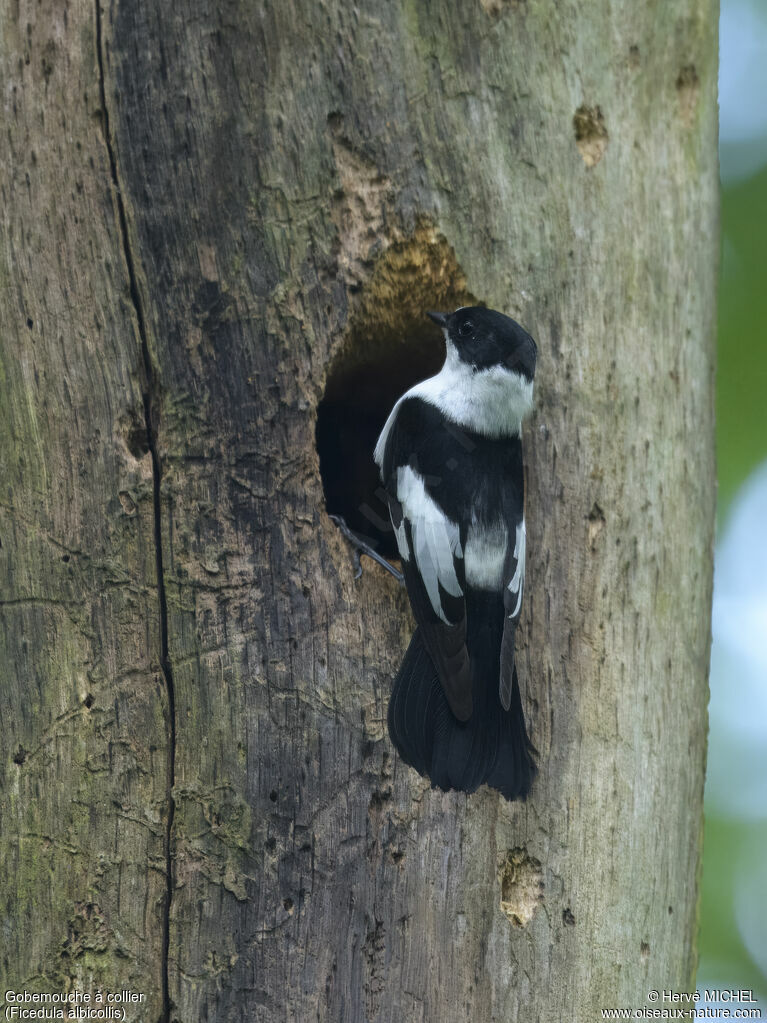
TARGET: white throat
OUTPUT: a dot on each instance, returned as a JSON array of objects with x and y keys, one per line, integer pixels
[{"x": 490, "y": 401}]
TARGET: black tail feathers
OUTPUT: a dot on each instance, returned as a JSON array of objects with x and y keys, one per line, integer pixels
[{"x": 492, "y": 747}]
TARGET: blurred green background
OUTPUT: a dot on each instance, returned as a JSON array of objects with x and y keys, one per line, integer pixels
[
  {"x": 742, "y": 371},
  {"x": 733, "y": 921}
]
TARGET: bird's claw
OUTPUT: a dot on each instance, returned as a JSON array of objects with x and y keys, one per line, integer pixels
[{"x": 360, "y": 547}]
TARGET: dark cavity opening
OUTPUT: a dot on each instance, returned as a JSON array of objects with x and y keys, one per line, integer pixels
[
  {"x": 363, "y": 385},
  {"x": 390, "y": 344}
]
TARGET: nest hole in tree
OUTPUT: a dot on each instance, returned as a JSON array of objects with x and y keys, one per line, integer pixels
[
  {"x": 390, "y": 344},
  {"x": 359, "y": 396}
]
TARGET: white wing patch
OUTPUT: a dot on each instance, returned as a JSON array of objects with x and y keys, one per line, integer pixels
[
  {"x": 517, "y": 583},
  {"x": 380, "y": 448},
  {"x": 402, "y": 547},
  {"x": 436, "y": 540}
]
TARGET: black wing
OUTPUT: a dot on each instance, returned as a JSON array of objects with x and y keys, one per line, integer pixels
[
  {"x": 432, "y": 563},
  {"x": 513, "y": 586}
]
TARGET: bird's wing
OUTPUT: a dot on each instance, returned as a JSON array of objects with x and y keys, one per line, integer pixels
[
  {"x": 513, "y": 586},
  {"x": 432, "y": 563}
]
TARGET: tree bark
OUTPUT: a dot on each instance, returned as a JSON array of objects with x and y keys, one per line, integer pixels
[{"x": 215, "y": 217}]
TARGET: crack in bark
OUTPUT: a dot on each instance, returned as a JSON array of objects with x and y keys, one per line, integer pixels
[{"x": 156, "y": 479}]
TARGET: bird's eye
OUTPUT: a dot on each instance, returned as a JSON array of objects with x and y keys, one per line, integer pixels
[{"x": 466, "y": 328}]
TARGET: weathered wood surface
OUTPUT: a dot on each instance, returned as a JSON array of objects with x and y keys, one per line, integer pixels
[{"x": 272, "y": 190}]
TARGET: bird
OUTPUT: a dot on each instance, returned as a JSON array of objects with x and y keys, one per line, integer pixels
[{"x": 451, "y": 463}]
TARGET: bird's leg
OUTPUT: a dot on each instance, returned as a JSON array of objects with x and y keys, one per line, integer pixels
[{"x": 360, "y": 547}]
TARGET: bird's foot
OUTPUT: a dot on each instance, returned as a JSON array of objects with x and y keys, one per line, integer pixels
[{"x": 360, "y": 547}]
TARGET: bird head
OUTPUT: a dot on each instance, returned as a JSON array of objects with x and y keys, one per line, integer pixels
[{"x": 485, "y": 339}]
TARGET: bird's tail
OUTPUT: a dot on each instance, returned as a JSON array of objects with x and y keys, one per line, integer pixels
[{"x": 492, "y": 747}]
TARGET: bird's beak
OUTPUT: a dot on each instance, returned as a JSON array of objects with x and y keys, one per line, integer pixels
[{"x": 439, "y": 318}]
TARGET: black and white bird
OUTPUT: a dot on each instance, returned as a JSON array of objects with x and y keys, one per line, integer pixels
[{"x": 450, "y": 458}]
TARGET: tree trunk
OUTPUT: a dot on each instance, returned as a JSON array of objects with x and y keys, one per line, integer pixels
[{"x": 222, "y": 226}]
